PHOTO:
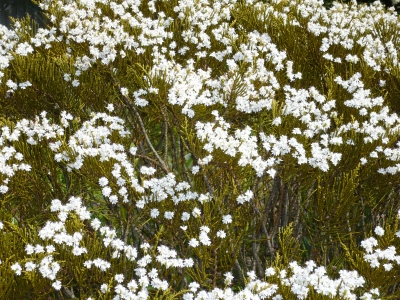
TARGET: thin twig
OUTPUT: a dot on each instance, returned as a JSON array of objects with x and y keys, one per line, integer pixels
[
  {"x": 128, "y": 103},
  {"x": 205, "y": 178},
  {"x": 148, "y": 158}
]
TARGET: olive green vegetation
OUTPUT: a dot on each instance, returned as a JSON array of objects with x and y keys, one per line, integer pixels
[
  {"x": 14, "y": 8},
  {"x": 303, "y": 213},
  {"x": 328, "y": 3}
]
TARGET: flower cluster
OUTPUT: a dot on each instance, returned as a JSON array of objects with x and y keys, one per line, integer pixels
[{"x": 225, "y": 121}]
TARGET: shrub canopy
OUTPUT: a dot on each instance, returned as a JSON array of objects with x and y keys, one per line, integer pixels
[{"x": 222, "y": 149}]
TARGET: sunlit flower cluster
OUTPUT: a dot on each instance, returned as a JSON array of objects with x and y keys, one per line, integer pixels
[{"x": 314, "y": 127}]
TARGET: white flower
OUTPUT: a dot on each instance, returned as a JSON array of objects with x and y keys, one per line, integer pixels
[
  {"x": 194, "y": 286},
  {"x": 373, "y": 154},
  {"x": 387, "y": 267},
  {"x": 228, "y": 278},
  {"x": 30, "y": 266},
  {"x": 132, "y": 150},
  {"x": 270, "y": 272},
  {"x": 88, "y": 264},
  {"x": 50, "y": 249},
  {"x": 24, "y": 85},
  {"x": 113, "y": 199},
  {"x": 56, "y": 205},
  {"x": 193, "y": 243},
  {"x": 379, "y": 231},
  {"x": 106, "y": 191},
  {"x": 103, "y": 181},
  {"x": 124, "y": 91},
  {"x": 204, "y": 198},
  {"x": 154, "y": 213},
  {"x": 147, "y": 170},
  {"x": 169, "y": 215},
  {"x": 206, "y": 229},
  {"x": 252, "y": 275},
  {"x": 369, "y": 244},
  {"x": 23, "y": 49},
  {"x": 246, "y": 197},
  {"x": 204, "y": 239},
  {"x": 132, "y": 285},
  {"x": 11, "y": 84},
  {"x": 196, "y": 212},
  {"x": 227, "y": 219},
  {"x": 145, "y": 246},
  {"x": 57, "y": 285},
  {"x": 29, "y": 249},
  {"x": 277, "y": 121},
  {"x": 110, "y": 107},
  {"x": 16, "y": 268},
  {"x": 3, "y": 189},
  {"x": 101, "y": 264},
  {"x": 188, "y": 296},
  {"x": 95, "y": 224},
  {"x": 75, "y": 83},
  {"x": 119, "y": 278},
  {"x": 104, "y": 288},
  {"x": 140, "y": 204},
  {"x": 77, "y": 251},
  {"x": 195, "y": 170},
  {"x": 39, "y": 249},
  {"x": 123, "y": 191},
  {"x": 221, "y": 234},
  {"x": 185, "y": 216}
]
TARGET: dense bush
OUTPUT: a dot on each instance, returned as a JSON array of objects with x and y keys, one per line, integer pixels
[{"x": 200, "y": 150}]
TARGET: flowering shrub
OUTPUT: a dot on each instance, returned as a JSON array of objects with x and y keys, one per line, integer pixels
[{"x": 181, "y": 149}]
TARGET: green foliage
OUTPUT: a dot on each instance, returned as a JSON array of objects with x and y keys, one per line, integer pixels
[{"x": 302, "y": 213}]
